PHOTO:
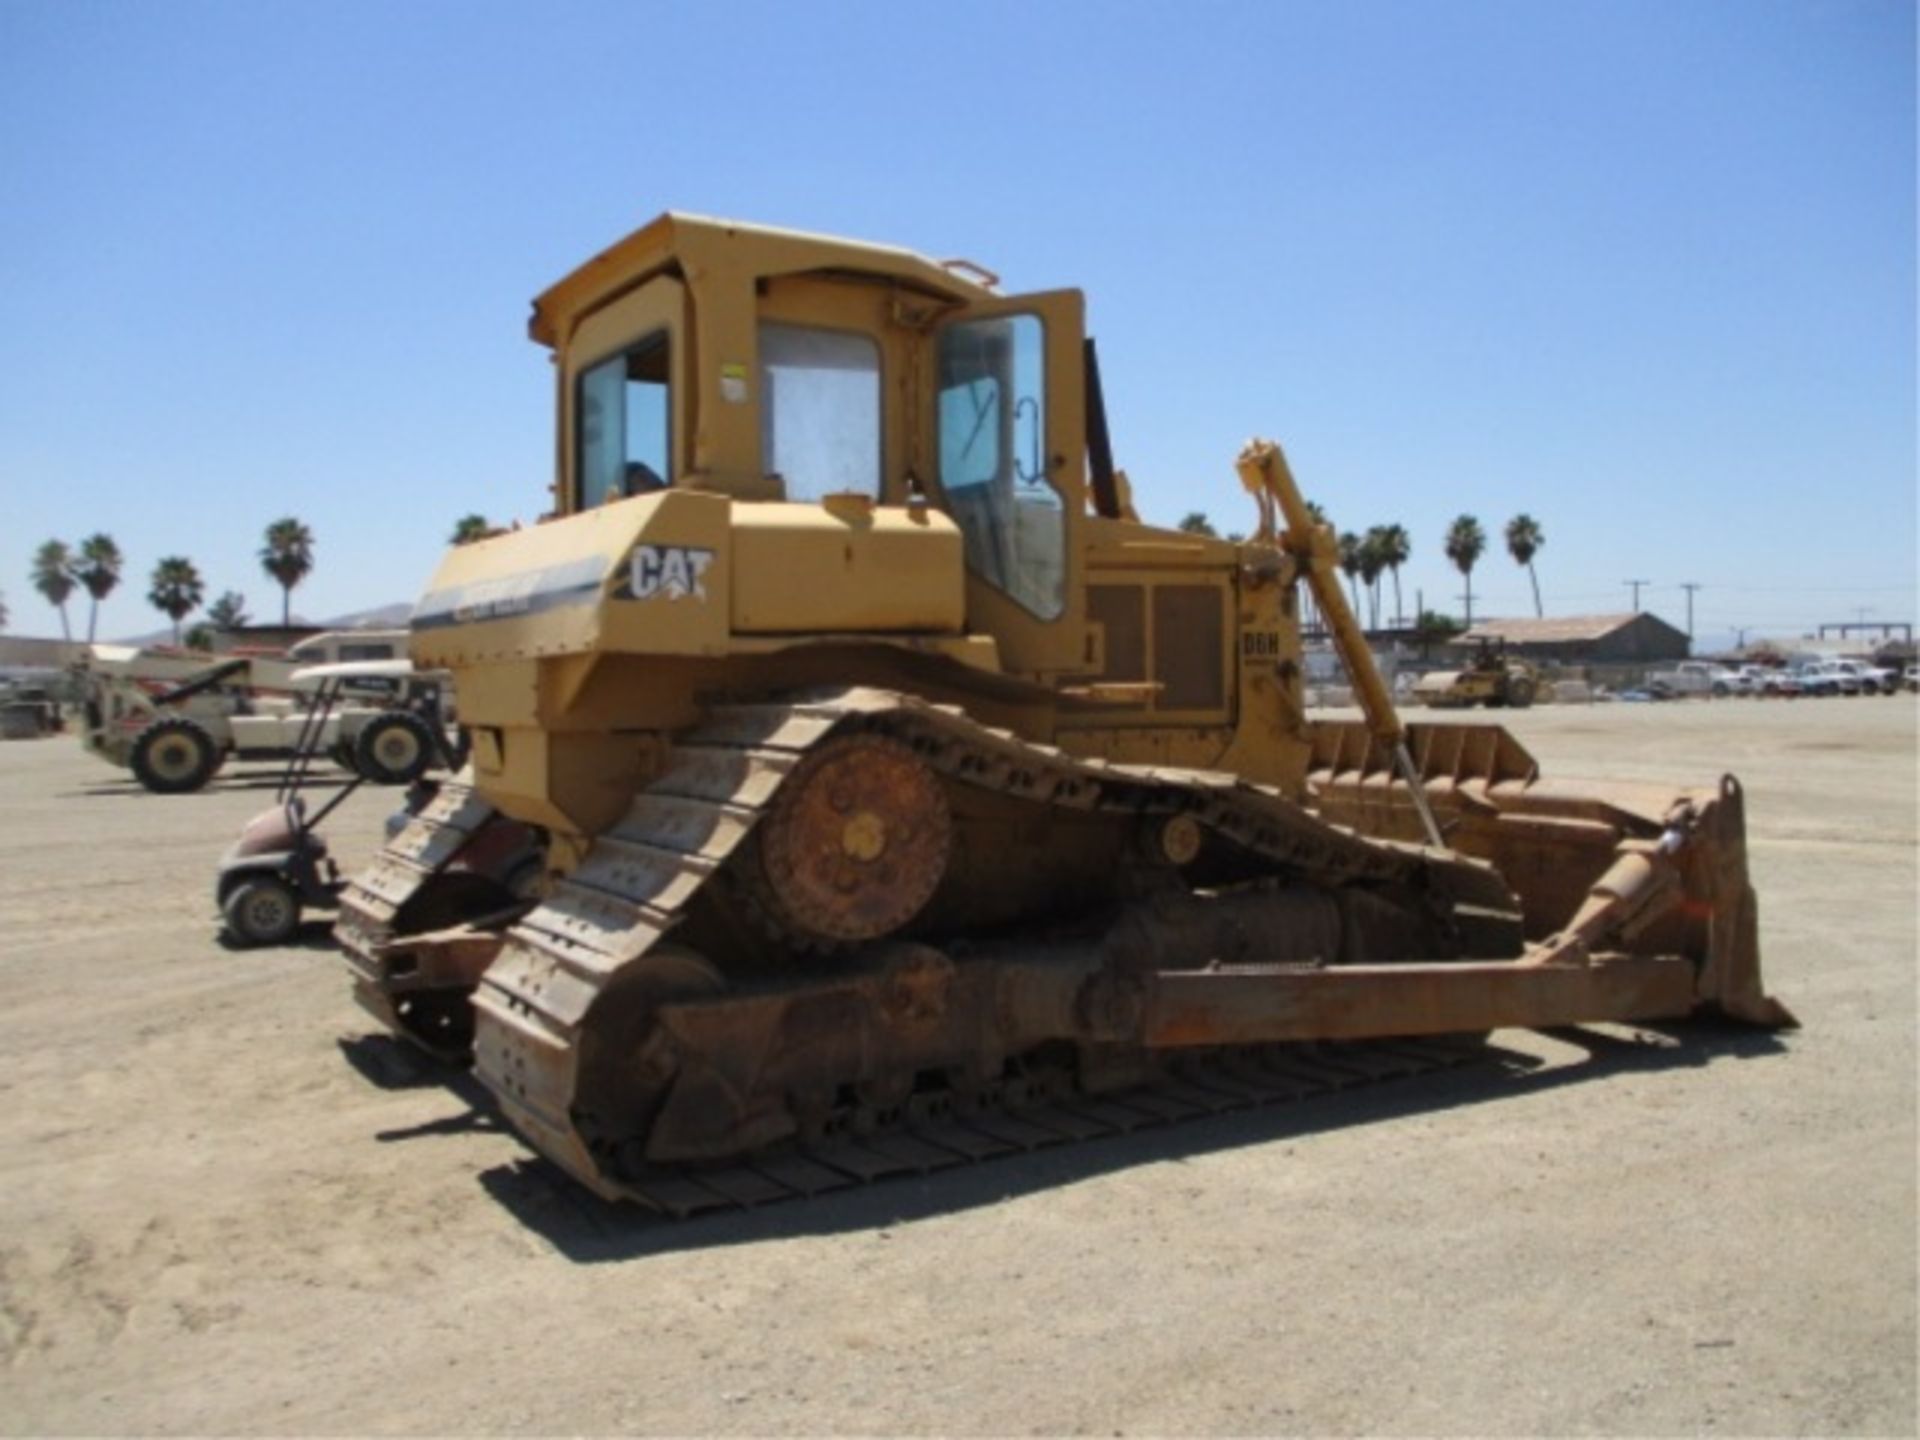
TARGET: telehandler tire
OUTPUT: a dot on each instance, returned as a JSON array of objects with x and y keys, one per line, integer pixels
[
  {"x": 395, "y": 748},
  {"x": 174, "y": 756}
]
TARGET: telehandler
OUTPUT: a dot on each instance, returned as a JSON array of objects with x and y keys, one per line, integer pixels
[{"x": 906, "y": 799}]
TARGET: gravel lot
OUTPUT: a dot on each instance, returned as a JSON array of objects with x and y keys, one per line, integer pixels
[{"x": 227, "y": 1209}]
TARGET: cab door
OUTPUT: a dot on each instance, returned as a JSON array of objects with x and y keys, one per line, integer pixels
[{"x": 1009, "y": 446}]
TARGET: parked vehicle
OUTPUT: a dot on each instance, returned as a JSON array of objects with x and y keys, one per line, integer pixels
[
  {"x": 1913, "y": 677},
  {"x": 1848, "y": 681},
  {"x": 1815, "y": 681},
  {"x": 333, "y": 647},
  {"x": 1766, "y": 680},
  {"x": 1870, "y": 679},
  {"x": 28, "y": 711},
  {"x": 1696, "y": 678}
]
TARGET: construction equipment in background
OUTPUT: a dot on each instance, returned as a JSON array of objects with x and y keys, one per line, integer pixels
[
  {"x": 174, "y": 717},
  {"x": 906, "y": 799},
  {"x": 30, "y": 705},
  {"x": 1491, "y": 677}
]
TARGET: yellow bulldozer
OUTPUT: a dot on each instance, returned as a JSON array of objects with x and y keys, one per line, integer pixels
[
  {"x": 905, "y": 798},
  {"x": 1491, "y": 677}
]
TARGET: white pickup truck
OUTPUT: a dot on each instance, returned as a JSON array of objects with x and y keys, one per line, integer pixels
[
  {"x": 1701, "y": 678},
  {"x": 1867, "y": 679}
]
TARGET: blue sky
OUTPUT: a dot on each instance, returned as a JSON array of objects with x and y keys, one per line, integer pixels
[{"x": 1645, "y": 270}]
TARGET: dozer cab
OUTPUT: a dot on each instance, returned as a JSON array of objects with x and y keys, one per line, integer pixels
[
  {"x": 1491, "y": 677},
  {"x": 906, "y": 798}
]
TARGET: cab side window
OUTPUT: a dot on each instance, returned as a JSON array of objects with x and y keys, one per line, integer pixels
[
  {"x": 621, "y": 418},
  {"x": 993, "y": 467}
]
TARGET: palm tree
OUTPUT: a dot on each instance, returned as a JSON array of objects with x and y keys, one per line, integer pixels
[
  {"x": 287, "y": 557},
  {"x": 1524, "y": 539},
  {"x": 53, "y": 578},
  {"x": 469, "y": 528},
  {"x": 1350, "y": 564},
  {"x": 229, "y": 612},
  {"x": 1373, "y": 564},
  {"x": 1195, "y": 522},
  {"x": 1465, "y": 541},
  {"x": 175, "y": 589},
  {"x": 1396, "y": 548},
  {"x": 98, "y": 571}
]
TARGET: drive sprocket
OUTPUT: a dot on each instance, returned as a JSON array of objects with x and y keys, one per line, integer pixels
[{"x": 854, "y": 845}]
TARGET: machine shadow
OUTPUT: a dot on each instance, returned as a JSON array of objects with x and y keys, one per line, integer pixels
[
  {"x": 592, "y": 1231},
  {"x": 220, "y": 785},
  {"x": 390, "y": 1063},
  {"x": 315, "y": 933}
]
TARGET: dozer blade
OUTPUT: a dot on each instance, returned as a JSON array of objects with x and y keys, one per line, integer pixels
[{"x": 1609, "y": 869}]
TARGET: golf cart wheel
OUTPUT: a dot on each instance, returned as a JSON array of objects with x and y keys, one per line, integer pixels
[
  {"x": 174, "y": 756},
  {"x": 262, "y": 910},
  {"x": 395, "y": 748}
]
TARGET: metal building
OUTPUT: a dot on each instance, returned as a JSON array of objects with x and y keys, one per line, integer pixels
[{"x": 1641, "y": 639}]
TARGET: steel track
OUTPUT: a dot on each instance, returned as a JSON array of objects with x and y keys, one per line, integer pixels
[
  {"x": 423, "y": 848},
  {"x": 1222, "y": 1081},
  {"x": 638, "y": 879}
]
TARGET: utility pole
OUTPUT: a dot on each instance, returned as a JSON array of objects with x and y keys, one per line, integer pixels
[
  {"x": 1690, "y": 586},
  {"x": 1636, "y": 584}
]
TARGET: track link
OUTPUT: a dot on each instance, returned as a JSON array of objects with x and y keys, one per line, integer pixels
[
  {"x": 1218, "y": 1083},
  {"x": 423, "y": 849},
  {"x": 638, "y": 879}
]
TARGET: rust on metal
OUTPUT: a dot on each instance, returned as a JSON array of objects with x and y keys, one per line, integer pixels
[
  {"x": 1354, "y": 1002},
  {"x": 856, "y": 841}
]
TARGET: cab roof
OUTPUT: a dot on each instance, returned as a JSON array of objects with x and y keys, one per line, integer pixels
[{"x": 672, "y": 240}]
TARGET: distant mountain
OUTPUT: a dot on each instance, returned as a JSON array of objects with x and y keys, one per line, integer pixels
[{"x": 380, "y": 617}]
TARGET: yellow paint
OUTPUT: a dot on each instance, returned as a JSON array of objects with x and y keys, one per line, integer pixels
[
  {"x": 809, "y": 569},
  {"x": 723, "y": 584},
  {"x": 864, "y": 837}
]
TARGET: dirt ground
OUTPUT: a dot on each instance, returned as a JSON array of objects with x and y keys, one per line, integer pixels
[{"x": 226, "y": 1209}]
